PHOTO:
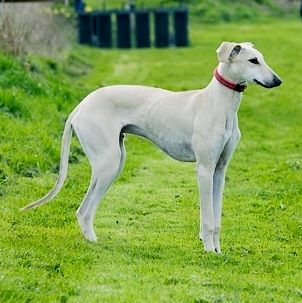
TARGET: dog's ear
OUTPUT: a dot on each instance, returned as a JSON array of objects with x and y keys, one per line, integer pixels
[
  {"x": 227, "y": 51},
  {"x": 235, "y": 51}
]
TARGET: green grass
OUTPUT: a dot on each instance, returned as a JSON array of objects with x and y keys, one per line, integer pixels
[{"x": 148, "y": 248}]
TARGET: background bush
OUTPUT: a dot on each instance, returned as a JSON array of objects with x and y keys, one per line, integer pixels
[{"x": 35, "y": 28}]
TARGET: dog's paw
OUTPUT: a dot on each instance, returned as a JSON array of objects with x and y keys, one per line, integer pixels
[
  {"x": 217, "y": 244},
  {"x": 218, "y": 250},
  {"x": 91, "y": 238},
  {"x": 87, "y": 229},
  {"x": 208, "y": 246}
]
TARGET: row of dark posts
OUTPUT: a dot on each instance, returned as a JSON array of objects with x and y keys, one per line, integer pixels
[{"x": 97, "y": 29}]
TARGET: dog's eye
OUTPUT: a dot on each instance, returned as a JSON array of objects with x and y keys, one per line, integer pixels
[{"x": 254, "y": 61}]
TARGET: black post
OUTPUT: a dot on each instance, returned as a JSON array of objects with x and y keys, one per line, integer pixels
[
  {"x": 123, "y": 29},
  {"x": 84, "y": 28},
  {"x": 142, "y": 28},
  {"x": 181, "y": 27},
  {"x": 94, "y": 29},
  {"x": 301, "y": 9},
  {"x": 161, "y": 28},
  {"x": 79, "y": 6},
  {"x": 104, "y": 29}
]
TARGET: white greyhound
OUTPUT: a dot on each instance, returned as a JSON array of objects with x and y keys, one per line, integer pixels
[{"x": 193, "y": 126}]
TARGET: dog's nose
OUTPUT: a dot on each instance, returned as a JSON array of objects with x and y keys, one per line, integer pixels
[{"x": 277, "y": 81}]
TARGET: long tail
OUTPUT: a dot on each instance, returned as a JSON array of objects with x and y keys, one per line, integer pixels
[{"x": 63, "y": 167}]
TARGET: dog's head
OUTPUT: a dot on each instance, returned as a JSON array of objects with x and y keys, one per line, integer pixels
[{"x": 241, "y": 62}]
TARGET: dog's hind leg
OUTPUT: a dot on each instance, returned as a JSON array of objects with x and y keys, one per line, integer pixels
[
  {"x": 106, "y": 156},
  {"x": 123, "y": 154}
]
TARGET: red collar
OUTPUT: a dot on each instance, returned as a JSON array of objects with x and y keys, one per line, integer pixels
[{"x": 236, "y": 87}]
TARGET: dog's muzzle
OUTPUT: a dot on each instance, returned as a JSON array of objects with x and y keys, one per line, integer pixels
[{"x": 274, "y": 83}]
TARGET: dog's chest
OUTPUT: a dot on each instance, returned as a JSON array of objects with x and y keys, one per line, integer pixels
[
  {"x": 181, "y": 151},
  {"x": 176, "y": 145}
]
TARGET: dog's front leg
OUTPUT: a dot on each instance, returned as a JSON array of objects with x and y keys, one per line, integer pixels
[
  {"x": 219, "y": 179},
  {"x": 218, "y": 186},
  {"x": 205, "y": 182},
  {"x": 208, "y": 148}
]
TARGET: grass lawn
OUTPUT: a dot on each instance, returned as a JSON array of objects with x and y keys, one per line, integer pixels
[{"x": 148, "y": 248}]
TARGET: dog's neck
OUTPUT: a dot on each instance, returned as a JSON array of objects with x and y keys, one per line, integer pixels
[
  {"x": 227, "y": 97},
  {"x": 238, "y": 87}
]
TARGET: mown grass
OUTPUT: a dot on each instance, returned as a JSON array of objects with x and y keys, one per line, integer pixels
[{"x": 148, "y": 249}]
